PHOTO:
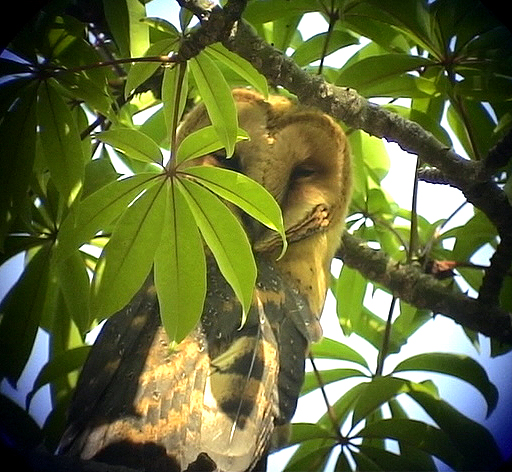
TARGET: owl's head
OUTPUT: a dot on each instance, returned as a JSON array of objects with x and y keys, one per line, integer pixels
[{"x": 301, "y": 157}]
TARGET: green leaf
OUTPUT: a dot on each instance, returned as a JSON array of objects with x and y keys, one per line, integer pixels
[
  {"x": 202, "y": 142},
  {"x": 342, "y": 463},
  {"x": 98, "y": 172},
  {"x": 18, "y": 138},
  {"x": 133, "y": 143},
  {"x": 307, "y": 431},
  {"x": 330, "y": 349},
  {"x": 350, "y": 291},
  {"x": 217, "y": 97},
  {"x": 74, "y": 284},
  {"x": 180, "y": 268},
  {"x": 327, "y": 376},
  {"x": 422, "y": 460},
  {"x": 58, "y": 367},
  {"x": 364, "y": 463},
  {"x": 163, "y": 26},
  {"x": 174, "y": 95},
  {"x": 262, "y": 12},
  {"x": 477, "y": 231},
  {"x": 93, "y": 94},
  {"x": 124, "y": 19},
  {"x": 97, "y": 211},
  {"x": 475, "y": 134},
  {"x": 141, "y": 71},
  {"x": 386, "y": 460},
  {"x": 60, "y": 141},
  {"x": 417, "y": 434},
  {"x": 312, "y": 49},
  {"x": 241, "y": 66},
  {"x": 424, "y": 120},
  {"x": 455, "y": 365},
  {"x": 371, "y": 156},
  {"x": 473, "y": 441},
  {"x": 244, "y": 192},
  {"x": 410, "y": 319},
  {"x": 226, "y": 238},
  {"x": 374, "y": 394},
  {"x": 128, "y": 257},
  {"x": 410, "y": 17},
  {"x": 311, "y": 456},
  {"x": 383, "y": 68},
  {"x": 20, "y": 313},
  {"x": 156, "y": 128}
]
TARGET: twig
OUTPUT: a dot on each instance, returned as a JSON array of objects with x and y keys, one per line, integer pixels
[
  {"x": 330, "y": 411},
  {"x": 383, "y": 353}
]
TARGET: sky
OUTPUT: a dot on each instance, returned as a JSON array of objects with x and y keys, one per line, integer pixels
[{"x": 440, "y": 334}]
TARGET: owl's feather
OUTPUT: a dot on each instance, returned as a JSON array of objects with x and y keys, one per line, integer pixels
[{"x": 213, "y": 402}]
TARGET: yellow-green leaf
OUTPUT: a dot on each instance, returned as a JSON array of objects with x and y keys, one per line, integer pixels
[
  {"x": 128, "y": 257},
  {"x": 244, "y": 192},
  {"x": 133, "y": 143},
  {"x": 241, "y": 66},
  {"x": 226, "y": 238},
  {"x": 217, "y": 97},
  {"x": 60, "y": 142},
  {"x": 180, "y": 268}
]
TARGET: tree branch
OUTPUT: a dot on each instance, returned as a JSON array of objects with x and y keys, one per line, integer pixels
[
  {"x": 345, "y": 104},
  {"x": 422, "y": 290},
  {"x": 471, "y": 177}
]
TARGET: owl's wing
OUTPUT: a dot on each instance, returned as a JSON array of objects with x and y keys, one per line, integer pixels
[{"x": 211, "y": 404}]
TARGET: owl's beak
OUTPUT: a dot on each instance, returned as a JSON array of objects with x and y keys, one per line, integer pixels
[{"x": 315, "y": 221}]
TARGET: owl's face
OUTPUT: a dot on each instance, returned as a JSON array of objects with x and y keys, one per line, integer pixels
[{"x": 301, "y": 157}]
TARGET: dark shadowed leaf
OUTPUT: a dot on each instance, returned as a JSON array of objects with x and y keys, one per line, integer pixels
[
  {"x": 474, "y": 442},
  {"x": 455, "y": 365},
  {"x": 18, "y": 138},
  {"x": 417, "y": 434},
  {"x": 21, "y": 311},
  {"x": 59, "y": 366},
  {"x": 18, "y": 426}
]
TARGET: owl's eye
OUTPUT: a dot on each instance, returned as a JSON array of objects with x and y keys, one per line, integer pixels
[
  {"x": 232, "y": 162},
  {"x": 302, "y": 171}
]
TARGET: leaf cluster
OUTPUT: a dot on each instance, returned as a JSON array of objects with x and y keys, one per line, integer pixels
[{"x": 96, "y": 195}]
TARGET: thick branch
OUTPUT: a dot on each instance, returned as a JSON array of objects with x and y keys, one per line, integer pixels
[{"x": 423, "y": 291}]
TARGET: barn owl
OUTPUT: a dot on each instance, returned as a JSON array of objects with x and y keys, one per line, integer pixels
[{"x": 214, "y": 402}]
